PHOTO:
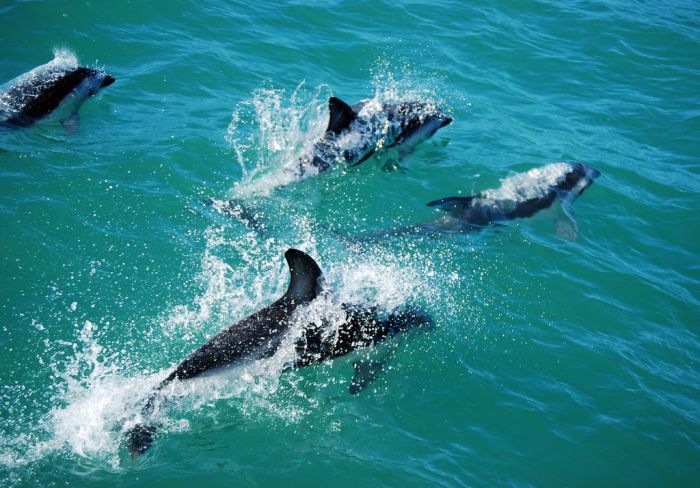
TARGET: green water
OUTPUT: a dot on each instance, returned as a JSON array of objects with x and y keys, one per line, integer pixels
[{"x": 551, "y": 363}]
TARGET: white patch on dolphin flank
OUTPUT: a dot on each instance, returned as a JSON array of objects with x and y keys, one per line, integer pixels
[{"x": 525, "y": 186}]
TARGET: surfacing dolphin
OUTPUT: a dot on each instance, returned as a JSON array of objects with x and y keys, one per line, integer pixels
[
  {"x": 519, "y": 196},
  {"x": 39, "y": 92},
  {"x": 259, "y": 336},
  {"x": 355, "y": 132}
]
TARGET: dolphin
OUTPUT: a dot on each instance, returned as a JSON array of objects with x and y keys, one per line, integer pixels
[
  {"x": 259, "y": 336},
  {"x": 356, "y": 132},
  {"x": 519, "y": 196},
  {"x": 39, "y": 92}
]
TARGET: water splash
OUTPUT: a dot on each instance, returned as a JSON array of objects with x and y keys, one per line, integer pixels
[
  {"x": 272, "y": 133},
  {"x": 96, "y": 396}
]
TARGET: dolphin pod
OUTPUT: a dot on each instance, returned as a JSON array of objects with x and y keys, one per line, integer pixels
[
  {"x": 42, "y": 90},
  {"x": 260, "y": 334},
  {"x": 354, "y": 133}
]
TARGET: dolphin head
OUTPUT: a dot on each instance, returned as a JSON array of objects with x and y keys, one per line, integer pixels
[
  {"x": 107, "y": 80},
  {"x": 417, "y": 121},
  {"x": 99, "y": 80},
  {"x": 579, "y": 178},
  {"x": 94, "y": 79}
]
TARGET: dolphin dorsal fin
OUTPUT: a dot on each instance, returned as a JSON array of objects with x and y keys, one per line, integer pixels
[
  {"x": 452, "y": 203},
  {"x": 341, "y": 117},
  {"x": 305, "y": 275}
]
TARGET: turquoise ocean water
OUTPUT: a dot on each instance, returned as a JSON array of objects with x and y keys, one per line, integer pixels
[{"x": 552, "y": 362}]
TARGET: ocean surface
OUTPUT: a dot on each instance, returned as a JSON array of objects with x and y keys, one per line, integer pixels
[{"x": 552, "y": 361}]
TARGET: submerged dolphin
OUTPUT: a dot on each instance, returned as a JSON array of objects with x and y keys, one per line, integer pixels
[
  {"x": 519, "y": 196},
  {"x": 39, "y": 92},
  {"x": 260, "y": 334},
  {"x": 355, "y": 132}
]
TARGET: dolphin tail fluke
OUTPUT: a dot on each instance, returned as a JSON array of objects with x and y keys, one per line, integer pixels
[
  {"x": 304, "y": 284},
  {"x": 365, "y": 373},
  {"x": 140, "y": 437}
]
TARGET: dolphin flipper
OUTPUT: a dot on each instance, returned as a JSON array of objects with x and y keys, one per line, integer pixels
[
  {"x": 139, "y": 438},
  {"x": 566, "y": 224},
  {"x": 452, "y": 203},
  {"x": 71, "y": 124},
  {"x": 341, "y": 116},
  {"x": 366, "y": 372}
]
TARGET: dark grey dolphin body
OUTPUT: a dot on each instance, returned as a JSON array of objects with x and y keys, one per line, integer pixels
[
  {"x": 39, "y": 92},
  {"x": 362, "y": 327},
  {"x": 253, "y": 337},
  {"x": 260, "y": 334},
  {"x": 519, "y": 196},
  {"x": 355, "y": 132}
]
